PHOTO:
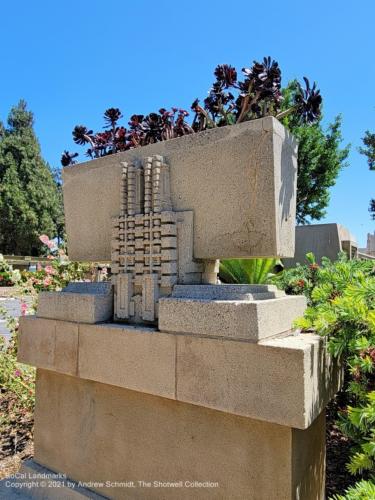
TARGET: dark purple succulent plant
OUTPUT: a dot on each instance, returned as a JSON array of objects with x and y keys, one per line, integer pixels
[
  {"x": 112, "y": 116},
  {"x": 68, "y": 158},
  {"x": 82, "y": 135},
  {"x": 308, "y": 102},
  {"x": 229, "y": 101},
  {"x": 226, "y": 75}
]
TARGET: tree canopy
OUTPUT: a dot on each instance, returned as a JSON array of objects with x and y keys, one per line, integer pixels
[
  {"x": 320, "y": 160},
  {"x": 369, "y": 151},
  {"x": 30, "y": 197}
]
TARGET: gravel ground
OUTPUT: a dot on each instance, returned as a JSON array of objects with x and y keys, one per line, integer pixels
[{"x": 16, "y": 434}]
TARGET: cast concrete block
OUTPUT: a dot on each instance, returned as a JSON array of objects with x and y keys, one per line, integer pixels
[
  {"x": 240, "y": 182},
  {"x": 287, "y": 381},
  {"x": 78, "y": 302},
  {"x": 48, "y": 344},
  {"x": 66, "y": 347},
  {"x": 36, "y": 345},
  {"x": 140, "y": 359},
  {"x": 98, "y": 432},
  {"x": 247, "y": 320}
]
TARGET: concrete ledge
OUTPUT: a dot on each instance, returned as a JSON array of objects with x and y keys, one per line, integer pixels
[
  {"x": 78, "y": 302},
  {"x": 287, "y": 380},
  {"x": 247, "y": 320},
  {"x": 226, "y": 292}
]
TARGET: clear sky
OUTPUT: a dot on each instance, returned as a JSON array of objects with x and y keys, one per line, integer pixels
[{"x": 71, "y": 60}]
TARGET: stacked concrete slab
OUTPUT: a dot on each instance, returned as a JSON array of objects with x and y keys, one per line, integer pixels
[{"x": 219, "y": 398}]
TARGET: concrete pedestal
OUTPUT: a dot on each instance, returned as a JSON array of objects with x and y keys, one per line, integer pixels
[
  {"x": 138, "y": 446},
  {"x": 132, "y": 412},
  {"x": 219, "y": 399}
]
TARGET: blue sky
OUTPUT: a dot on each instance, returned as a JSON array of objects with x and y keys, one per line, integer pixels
[{"x": 71, "y": 60}]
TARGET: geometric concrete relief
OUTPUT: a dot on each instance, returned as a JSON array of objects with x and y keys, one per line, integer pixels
[{"x": 152, "y": 246}]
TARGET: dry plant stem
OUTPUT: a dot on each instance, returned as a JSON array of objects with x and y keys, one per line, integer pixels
[{"x": 287, "y": 112}]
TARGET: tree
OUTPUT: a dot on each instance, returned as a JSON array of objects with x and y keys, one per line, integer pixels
[
  {"x": 30, "y": 199},
  {"x": 369, "y": 151},
  {"x": 320, "y": 160}
]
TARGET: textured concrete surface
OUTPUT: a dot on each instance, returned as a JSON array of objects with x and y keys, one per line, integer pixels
[
  {"x": 246, "y": 320},
  {"x": 323, "y": 240},
  {"x": 288, "y": 381},
  {"x": 78, "y": 302},
  {"x": 137, "y": 358},
  {"x": 284, "y": 380},
  {"x": 36, "y": 345},
  {"x": 240, "y": 181},
  {"x": 120, "y": 435},
  {"x": 226, "y": 292}
]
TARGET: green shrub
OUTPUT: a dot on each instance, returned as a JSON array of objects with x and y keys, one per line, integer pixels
[
  {"x": 363, "y": 490},
  {"x": 341, "y": 297},
  {"x": 8, "y": 276}
]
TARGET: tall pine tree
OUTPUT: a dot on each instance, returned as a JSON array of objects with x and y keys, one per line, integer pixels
[{"x": 30, "y": 198}]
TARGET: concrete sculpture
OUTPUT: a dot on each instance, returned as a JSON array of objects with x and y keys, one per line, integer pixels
[
  {"x": 166, "y": 379},
  {"x": 151, "y": 244}
]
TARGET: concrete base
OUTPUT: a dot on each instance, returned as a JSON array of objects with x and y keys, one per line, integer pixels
[
  {"x": 135, "y": 444},
  {"x": 137, "y": 413},
  {"x": 286, "y": 381}
]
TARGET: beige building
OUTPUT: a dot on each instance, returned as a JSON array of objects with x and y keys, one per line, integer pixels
[
  {"x": 370, "y": 248},
  {"x": 323, "y": 240}
]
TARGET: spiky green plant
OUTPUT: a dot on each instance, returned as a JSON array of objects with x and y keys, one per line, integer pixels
[
  {"x": 363, "y": 490},
  {"x": 247, "y": 271}
]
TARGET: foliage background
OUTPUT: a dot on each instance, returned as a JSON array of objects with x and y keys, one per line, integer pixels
[
  {"x": 30, "y": 198},
  {"x": 341, "y": 298}
]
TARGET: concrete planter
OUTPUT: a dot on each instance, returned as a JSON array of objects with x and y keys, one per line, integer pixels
[
  {"x": 239, "y": 180},
  {"x": 217, "y": 389}
]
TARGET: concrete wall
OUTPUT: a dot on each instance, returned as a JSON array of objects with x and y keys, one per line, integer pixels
[
  {"x": 323, "y": 240},
  {"x": 97, "y": 432},
  {"x": 240, "y": 181}
]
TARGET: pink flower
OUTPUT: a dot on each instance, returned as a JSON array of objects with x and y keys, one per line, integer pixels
[
  {"x": 49, "y": 270},
  {"x": 44, "y": 239},
  {"x": 50, "y": 257},
  {"x": 17, "y": 373},
  {"x": 47, "y": 281},
  {"x": 39, "y": 266},
  {"x": 23, "y": 308}
]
